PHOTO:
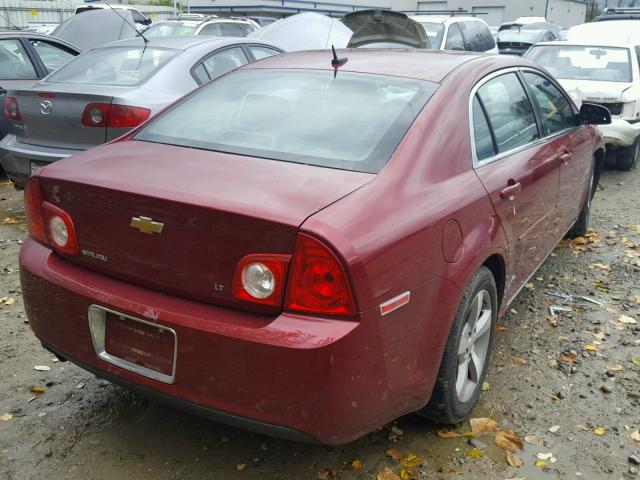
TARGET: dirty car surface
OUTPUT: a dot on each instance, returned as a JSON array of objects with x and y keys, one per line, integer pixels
[{"x": 311, "y": 258}]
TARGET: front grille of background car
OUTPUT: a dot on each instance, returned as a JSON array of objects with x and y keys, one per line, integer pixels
[{"x": 614, "y": 108}]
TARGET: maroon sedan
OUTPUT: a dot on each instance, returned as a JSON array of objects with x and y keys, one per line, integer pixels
[{"x": 311, "y": 253}]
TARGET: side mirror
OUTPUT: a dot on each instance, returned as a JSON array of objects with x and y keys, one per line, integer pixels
[
  {"x": 591, "y": 114},
  {"x": 147, "y": 21},
  {"x": 3, "y": 91}
]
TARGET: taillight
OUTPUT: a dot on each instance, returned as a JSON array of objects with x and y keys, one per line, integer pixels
[
  {"x": 11, "y": 109},
  {"x": 113, "y": 116},
  {"x": 317, "y": 280},
  {"x": 33, "y": 200},
  {"x": 48, "y": 223},
  {"x": 261, "y": 278}
]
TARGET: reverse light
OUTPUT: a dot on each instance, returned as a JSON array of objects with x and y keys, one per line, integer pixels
[
  {"x": 11, "y": 109},
  {"x": 47, "y": 223},
  {"x": 317, "y": 281},
  {"x": 113, "y": 116},
  {"x": 260, "y": 278}
]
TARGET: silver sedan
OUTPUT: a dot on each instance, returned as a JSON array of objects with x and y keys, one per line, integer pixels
[{"x": 105, "y": 92}]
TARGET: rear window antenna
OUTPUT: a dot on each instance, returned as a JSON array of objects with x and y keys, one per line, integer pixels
[
  {"x": 336, "y": 62},
  {"x": 126, "y": 21}
]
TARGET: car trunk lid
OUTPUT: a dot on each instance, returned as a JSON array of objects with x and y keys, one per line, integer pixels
[
  {"x": 381, "y": 26},
  {"x": 214, "y": 209},
  {"x": 52, "y": 115}
]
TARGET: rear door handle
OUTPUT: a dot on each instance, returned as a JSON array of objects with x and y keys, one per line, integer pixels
[
  {"x": 565, "y": 157},
  {"x": 510, "y": 192}
]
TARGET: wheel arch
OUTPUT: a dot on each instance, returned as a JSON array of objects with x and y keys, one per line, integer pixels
[
  {"x": 497, "y": 266},
  {"x": 599, "y": 155}
]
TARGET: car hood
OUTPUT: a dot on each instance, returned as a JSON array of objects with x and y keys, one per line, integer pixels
[
  {"x": 382, "y": 26},
  {"x": 95, "y": 28},
  {"x": 595, "y": 91},
  {"x": 305, "y": 31}
]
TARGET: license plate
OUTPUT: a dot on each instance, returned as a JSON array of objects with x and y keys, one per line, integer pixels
[
  {"x": 137, "y": 345},
  {"x": 35, "y": 166}
]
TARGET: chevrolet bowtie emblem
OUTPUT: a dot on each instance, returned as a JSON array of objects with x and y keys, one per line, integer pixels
[{"x": 146, "y": 225}]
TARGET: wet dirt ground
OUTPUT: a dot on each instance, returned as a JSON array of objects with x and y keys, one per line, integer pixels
[{"x": 572, "y": 372}]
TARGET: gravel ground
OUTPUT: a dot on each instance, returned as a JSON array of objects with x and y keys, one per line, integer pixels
[{"x": 567, "y": 385}]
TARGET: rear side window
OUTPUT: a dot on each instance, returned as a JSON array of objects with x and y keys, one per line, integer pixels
[
  {"x": 211, "y": 30},
  {"x": 556, "y": 111},
  {"x": 51, "y": 55},
  {"x": 454, "y": 38},
  {"x": 353, "y": 122},
  {"x": 481, "y": 132},
  {"x": 232, "y": 30},
  {"x": 509, "y": 112},
  {"x": 262, "y": 52},
  {"x": 478, "y": 36},
  {"x": 223, "y": 62},
  {"x": 120, "y": 66},
  {"x": 14, "y": 62}
]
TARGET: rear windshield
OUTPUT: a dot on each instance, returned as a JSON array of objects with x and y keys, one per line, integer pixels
[
  {"x": 113, "y": 66},
  {"x": 353, "y": 122},
  {"x": 169, "y": 30},
  {"x": 435, "y": 32},
  {"x": 577, "y": 62}
]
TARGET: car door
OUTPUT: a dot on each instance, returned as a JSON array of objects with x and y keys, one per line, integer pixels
[
  {"x": 518, "y": 170},
  {"x": 568, "y": 141}
]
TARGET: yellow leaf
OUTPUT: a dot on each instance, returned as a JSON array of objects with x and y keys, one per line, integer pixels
[
  {"x": 410, "y": 460},
  {"x": 613, "y": 367},
  {"x": 513, "y": 459},
  {"x": 395, "y": 454},
  {"x": 486, "y": 386},
  {"x": 591, "y": 348},
  {"x": 635, "y": 359},
  {"x": 599, "y": 431},
  {"x": 475, "y": 453},
  {"x": 38, "y": 390},
  {"x": 241, "y": 466},
  {"x": 387, "y": 474},
  {"x": 10, "y": 221},
  {"x": 356, "y": 464},
  {"x": 483, "y": 425},
  {"x": 540, "y": 463}
]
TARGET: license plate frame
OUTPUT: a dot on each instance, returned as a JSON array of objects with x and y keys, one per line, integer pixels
[{"x": 97, "y": 316}]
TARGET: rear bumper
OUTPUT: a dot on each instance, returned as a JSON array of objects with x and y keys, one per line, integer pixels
[
  {"x": 16, "y": 157},
  {"x": 620, "y": 133},
  {"x": 295, "y": 376}
]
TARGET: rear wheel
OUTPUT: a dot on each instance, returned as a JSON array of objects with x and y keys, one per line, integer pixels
[
  {"x": 627, "y": 159},
  {"x": 466, "y": 355}
]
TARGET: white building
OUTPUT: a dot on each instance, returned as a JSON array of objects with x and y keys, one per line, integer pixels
[{"x": 564, "y": 13}]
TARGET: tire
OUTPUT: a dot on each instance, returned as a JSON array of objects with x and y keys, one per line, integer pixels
[
  {"x": 459, "y": 381},
  {"x": 627, "y": 159},
  {"x": 580, "y": 228}
]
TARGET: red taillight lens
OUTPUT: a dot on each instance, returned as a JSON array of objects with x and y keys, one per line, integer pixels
[
  {"x": 260, "y": 278},
  {"x": 113, "y": 116},
  {"x": 11, "y": 109},
  {"x": 33, "y": 200},
  {"x": 47, "y": 223},
  {"x": 317, "y": 281}
]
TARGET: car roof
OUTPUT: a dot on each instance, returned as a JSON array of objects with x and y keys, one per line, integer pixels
[
  {"x": 183, "y": 42},
  {"x": 587, "y": 43},
  {"x": 431, "y": 65},
  {"x": 444, "y": 18}
]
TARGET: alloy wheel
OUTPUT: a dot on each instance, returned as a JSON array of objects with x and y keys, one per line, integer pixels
[{"x": 474, "y": 345}]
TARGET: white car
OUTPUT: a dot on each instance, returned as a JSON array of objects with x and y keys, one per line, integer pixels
[
  {"x": 602, "y": 72},
  {"x": 457, "y": 33}
]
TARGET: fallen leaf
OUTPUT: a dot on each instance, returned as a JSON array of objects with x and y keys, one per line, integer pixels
[
  {"x": 241, "y": 466},
  {"x": 42, "y": 368},
  {"x": 508, "y": 440},
  {"x": 568, "y": 357},
  {"x": 554, "y": 428},
  {"x": 635, "y": 359},
  {"x": 513, "y": 459},
  {"x": 387, "y": 474},
  {"x": 442, "y": 433},
  {"x": 10, "y": 221},
  {"x": 599, "y": 431},
  {"x": 591, "y": 348},
  {"x": 409, "y": 464},
  {"x": 601, "y": 285},
  {"x": 474, "y": 453},
  {"x": 483, "y": 425},
  {"x": 636, "y": 436},
  {"x": 500, "y": 328},
  {"x": 613, "y": 367},
  {"x": 38, "y": 390},
  {"x": 540, "y": 463},
  {"x": 5, "y": 417},
  {"x": 356, "y": 464},
  {"x": 627, "y": 320},
  {"x": 533, "y": 440},
  {"x": 529, "y": 286},
  {"x": 601, "y": 266},
  {"x": 519, "y": 361},
  {"x": 395, "y": 454},
  {"x": 544, "y": 456},
  {"x": 486, "y": 386}
]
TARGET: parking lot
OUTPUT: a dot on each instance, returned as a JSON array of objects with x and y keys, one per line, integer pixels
[{"x": 82, "y": 427}]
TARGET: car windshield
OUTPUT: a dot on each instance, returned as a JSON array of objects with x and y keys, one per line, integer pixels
[
  {"x": 612, "y": 64},
  {"x": 113, "y": 66},
  {"x": 169, "y": 30},
  {"x": 354, "y": 121},
  {"x": 435, "y": 32},
  {"x": 518, "y": 36}
]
